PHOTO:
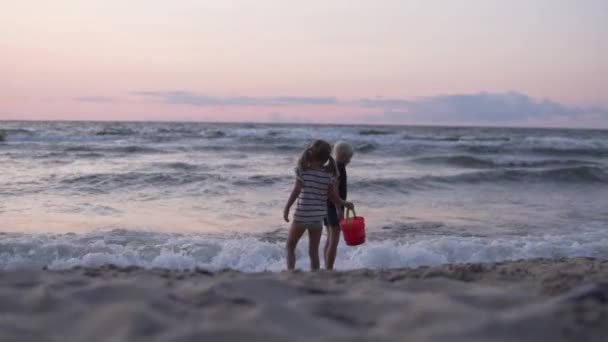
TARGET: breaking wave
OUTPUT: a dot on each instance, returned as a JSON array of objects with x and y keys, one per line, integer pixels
[{"x": 254, "y": 254}]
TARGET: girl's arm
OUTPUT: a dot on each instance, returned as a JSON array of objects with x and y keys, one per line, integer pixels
[{"x": 297, "y": 188}]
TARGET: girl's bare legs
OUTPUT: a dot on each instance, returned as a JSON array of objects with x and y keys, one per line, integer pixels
[
  {"x": 295, "y": 233},
  {"x": 314, "y": 239},
  {"x": 331, "y": 246}
]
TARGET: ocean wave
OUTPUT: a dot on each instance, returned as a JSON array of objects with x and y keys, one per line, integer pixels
[
  {"x": 116, "y": 131},
  {"x": 578, "y": 174},
  {"x": 130, "y": 149},
  {"x": 264, "y": 139},
  {"x": 261, "y": 180},
  {"x": 90, "y": 155},
  {"x": 13, "y": 133},
  {"x": 247, "y": 147},
  {"x": 459, "y": 160},
  {"x": 564, "y": 175},
  {"x": 543, "y": 146},
  {"x": 532, "y": 150},
  {"x": 180, "y": 166},
  {"x": 178, "y": 130},
  {"x": 286, "y": 147},
  {"x": 482, "y": 149},
  {"x": 467, "y": 161},
  {"x": 556, "y": 151},
  {"x": 456, "y": 138},
  {"x": 365, "y": 148},
  {"x": 430, "y": 138},
  {"x": 134, "y": 149},
  {"x": 214, "y": 134},
  {"x": 388, "y": 185},
  {"x": 181, "y": 174},
  {"x": 8, "y": 131},
  {"x": 564, "y": 142},
  {"x": 375, "y": 132},
  {"x": 253, "y": 254},
  {"x": 81, "y": 148},
  {"x": 108, "y": 182}
]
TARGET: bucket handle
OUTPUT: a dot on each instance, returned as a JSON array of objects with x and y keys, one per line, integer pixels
[{"x": 347, "y": 221}]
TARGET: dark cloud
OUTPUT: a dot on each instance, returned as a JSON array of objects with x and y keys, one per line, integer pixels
[
  {"x": 483, "y": 107},
  {"x": 99, "y": 99},
  {"x": 201, "y": 100}
]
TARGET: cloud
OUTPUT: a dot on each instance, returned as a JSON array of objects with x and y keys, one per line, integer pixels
[
  {"x": 385, "y": 103},
  {"x": 484, "y": 107},
  {"x": 98, "y": 99},
  {"x": 201, "y": 100}
]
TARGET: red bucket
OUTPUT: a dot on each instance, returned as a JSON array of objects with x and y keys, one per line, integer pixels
[{"x": 353, "y": 229}]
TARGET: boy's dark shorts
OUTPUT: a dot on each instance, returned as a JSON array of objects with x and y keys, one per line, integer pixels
[{"x": 331, "y": 218}]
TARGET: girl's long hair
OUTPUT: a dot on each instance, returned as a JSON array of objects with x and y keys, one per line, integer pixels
[{"x": 318, "y": 151}]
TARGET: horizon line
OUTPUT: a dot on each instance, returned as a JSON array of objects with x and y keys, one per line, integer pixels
[{"x": 296, "y": 123}]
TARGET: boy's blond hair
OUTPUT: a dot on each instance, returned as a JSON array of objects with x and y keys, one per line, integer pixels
[{"x": 344, "y": 148}]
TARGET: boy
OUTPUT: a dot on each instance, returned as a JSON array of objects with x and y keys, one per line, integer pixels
[{"x": 343, "y": 152}]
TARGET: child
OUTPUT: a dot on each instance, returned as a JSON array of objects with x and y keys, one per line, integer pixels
[
  {"x": 313, "y": 187},
  {"x": 343, "y": 152}
]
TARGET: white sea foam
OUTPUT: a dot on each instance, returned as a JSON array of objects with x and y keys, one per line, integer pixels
[{"x": 253, "y": 254}]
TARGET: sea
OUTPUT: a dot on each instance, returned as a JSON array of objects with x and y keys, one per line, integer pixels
[{"x": 211, "y": 195}]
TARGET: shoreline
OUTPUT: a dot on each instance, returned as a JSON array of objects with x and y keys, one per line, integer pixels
[{"x": 564, "y": 299}]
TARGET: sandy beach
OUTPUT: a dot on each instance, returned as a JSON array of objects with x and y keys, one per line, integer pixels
[{"x": 528, "y": 300}]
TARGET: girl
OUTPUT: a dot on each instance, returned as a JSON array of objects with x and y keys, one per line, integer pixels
[
  {"x": 343, "y": 152},
  {"x": 314, "y": 186}
]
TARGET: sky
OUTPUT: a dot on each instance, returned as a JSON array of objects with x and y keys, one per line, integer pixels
[{"x": 465, "y": 62}]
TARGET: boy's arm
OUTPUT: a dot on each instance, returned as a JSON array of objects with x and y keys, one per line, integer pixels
[
  {"x": 340, "y": 208},
  {"x": 334, "y": 196},
  {"x": 297, "y": 188}
]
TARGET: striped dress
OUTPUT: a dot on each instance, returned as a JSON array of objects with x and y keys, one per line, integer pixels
[{"x": 312, "y": 202}]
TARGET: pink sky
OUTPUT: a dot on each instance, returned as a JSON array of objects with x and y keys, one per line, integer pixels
[{"x": 90, "y": 60}]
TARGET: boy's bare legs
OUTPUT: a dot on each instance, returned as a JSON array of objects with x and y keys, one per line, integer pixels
[
  {"x": 295, "y": 233},
  {"x": 331, "y": 246},
  {"x": 314, "y": 239},
  {"x": 326, "y": 247}
]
